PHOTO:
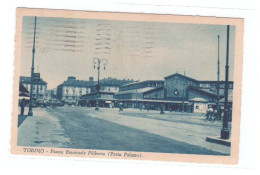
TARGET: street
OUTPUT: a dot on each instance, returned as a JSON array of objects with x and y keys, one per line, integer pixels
[{"x": 130, "y": 130}]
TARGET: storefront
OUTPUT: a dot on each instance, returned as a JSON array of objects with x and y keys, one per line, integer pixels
[
  {"x": 199, "y": 105},
  {"x": 105, "y": 99}
]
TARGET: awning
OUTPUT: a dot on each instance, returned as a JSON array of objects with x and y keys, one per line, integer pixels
[
  {"x": 152, "y": 101},
  {"x": 26, "y": 98},
  {"x": 23, "y": 94},
  {"x": 22, "y": 88}
]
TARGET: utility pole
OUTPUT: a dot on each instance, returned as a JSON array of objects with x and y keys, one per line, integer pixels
[
  {"x": 225, "y": 130},
  {"x": 218, "y": 73},
  {"x": 30, "y": 113},
  {"x": 37, "y": 85}
]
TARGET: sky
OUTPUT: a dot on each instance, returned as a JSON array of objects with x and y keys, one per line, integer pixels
[{"x": 133, "y": 50}]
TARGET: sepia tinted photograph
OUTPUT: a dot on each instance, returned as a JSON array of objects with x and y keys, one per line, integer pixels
[{"x": 127, "y": 86}]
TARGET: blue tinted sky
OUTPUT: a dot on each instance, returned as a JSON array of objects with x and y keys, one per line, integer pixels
[{"x": 135, "y": 50}]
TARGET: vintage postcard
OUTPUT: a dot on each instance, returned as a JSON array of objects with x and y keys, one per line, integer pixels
[{"x": 127, "y": 86}]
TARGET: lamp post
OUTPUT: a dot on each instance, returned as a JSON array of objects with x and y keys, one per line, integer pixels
[
  {"x": 30, "y": 113},
  {"x": 225, "y": 130},
  {"x": 97, "y": 62}
]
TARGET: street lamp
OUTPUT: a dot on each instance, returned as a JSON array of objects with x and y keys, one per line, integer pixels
[
  {"x": 30, "y": 113},
  {"x": 97, "y": 62},
  {"x": 225, "y": 130}
]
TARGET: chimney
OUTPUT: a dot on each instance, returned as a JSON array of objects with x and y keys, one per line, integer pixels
[
  {"x": 71, "y": 78},
  {"x": 91, "y": 79}
]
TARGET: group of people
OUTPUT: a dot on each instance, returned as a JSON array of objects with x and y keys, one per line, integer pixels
[
  {"x": 213, "y": 114},
  {"x": 23, "y": 104}
]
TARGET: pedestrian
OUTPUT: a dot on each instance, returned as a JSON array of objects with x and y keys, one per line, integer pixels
[
  {"x": 22, "y": 104},
  {"x": 120, "y": 108},
  {"x": 161, "y": 108},
  {"x": 216, "y": 113},
  {"x": 44, "y": 104},
  {"x": 222, "y": 115},
  {"x": 209, "y": 113}
]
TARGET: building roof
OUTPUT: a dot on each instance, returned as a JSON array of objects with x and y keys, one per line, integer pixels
[
  {"x": 155, "y": 89},
  {"x": 78, "y": 83},
  {"x": 134, "y": 91},
  {"x": 138, "y": 82},
  {"x": 204, "y": 91},
  {"x": 192, "y": 79},
  {"x": 180, "y": 75},
  {"x": 221, "y": 91},
  {"x": 24, "y": 79},
  {"x": 114, "y": 82},
  {"x": 220, "y": 82}
]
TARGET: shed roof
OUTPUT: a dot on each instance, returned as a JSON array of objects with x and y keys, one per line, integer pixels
[
  {"x": 180, "y": 75},
  {"x": 134, "y": 91}
]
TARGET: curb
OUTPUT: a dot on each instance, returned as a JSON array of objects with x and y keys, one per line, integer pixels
[{"x": 218, "y": 140}]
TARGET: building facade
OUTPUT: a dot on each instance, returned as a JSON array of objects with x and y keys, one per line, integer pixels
[
  {"x": 105, "y": 99},
  {"x": 39, "y": 89},
  {"x": 51, "y": 94},
  {"x": 176, "y": 93},
  {"x": 141, "y": 94},
  {"x": 110, "y": 84},
  {"x": 182, "y": 88},
  {"x": 71, "y": 89},
  {"x": 108, "y": 87},
  {"x": 142, "y": 84}
]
